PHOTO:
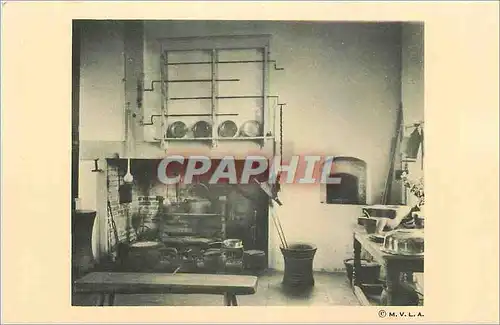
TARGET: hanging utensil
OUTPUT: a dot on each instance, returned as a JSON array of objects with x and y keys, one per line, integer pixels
[
  {"x": 269, "y": 191},
  {"x": 128, "y": 178},
  {"x": 279, "y": 227}
]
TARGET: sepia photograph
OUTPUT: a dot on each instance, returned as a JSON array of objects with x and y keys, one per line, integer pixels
[
  {"x": 247, "y": 163},
  {"x": 164, "y": 160}
]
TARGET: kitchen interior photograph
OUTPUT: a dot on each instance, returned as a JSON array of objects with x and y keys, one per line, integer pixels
[{"x": 350, "y": 91}]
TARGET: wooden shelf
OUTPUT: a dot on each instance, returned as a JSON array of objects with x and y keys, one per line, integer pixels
[
  {"x": 218, "y": 139},
  {"x": 245, "y": 138},
  {"x": 185, "y": 214},
  {"x": 263, "y": 94},
  {"x": 186, "y": 139}
]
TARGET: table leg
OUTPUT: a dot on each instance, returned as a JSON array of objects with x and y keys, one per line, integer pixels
[
  {"x": 111, "y": 299},
  {"x": 356, "y": 281},
  {"x": 391, "y": 283}
]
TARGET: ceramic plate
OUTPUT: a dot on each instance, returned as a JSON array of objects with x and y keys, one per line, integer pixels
[
  {"x": 228, "y": 129},
  {"x": 202, "y": 129},
  {"x": 250, "y": 129},
  {"x": 177, "y": 130}
]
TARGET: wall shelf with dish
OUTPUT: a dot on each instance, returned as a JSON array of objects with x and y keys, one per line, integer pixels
[
  {"x": 412, "y": 157},
  {"x": 214, "y": 89}
]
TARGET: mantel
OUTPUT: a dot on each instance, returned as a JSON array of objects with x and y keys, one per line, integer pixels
[{"x": 90, "y": 150}]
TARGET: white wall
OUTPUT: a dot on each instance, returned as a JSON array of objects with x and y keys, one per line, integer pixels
[
  {"x": 412, "y": 73},
  {"x": 102, "y": 92},
  {"x": 342, "y": 87},
  {"x": 412, "y": 92},
  {"x": 412, "y": 88},
  {"x": 87, "y": 192},
  {"x": 102, "y": 97}
]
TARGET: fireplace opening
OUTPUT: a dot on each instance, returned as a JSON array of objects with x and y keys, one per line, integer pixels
[
  {"x": 352, "y": 186},
  {"x": 346, "y": 192}
]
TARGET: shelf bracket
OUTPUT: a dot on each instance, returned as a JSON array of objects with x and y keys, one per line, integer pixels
[
  {"x": 214, "y": 96},
  {"x": 164, "y": 99}
]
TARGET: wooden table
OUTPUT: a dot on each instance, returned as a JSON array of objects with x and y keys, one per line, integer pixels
[
  {"x": 394, "y": 264},
  {"x": 107, "y": 284}
]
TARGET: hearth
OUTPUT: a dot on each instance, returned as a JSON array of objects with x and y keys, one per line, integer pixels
[{"x": 185, "y": 224}]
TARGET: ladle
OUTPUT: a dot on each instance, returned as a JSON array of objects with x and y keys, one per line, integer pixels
[{"x": 128, "y": 178}]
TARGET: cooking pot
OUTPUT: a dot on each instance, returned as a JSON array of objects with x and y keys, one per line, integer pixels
[
  {"x": 213, "y": 259},
  {"x": 369, "y": 272},
  {"x": 404, "y": 242},
  {"x": 229, "y": 243},
  {"x": 233, "y": 243},
  {"x": 144, "y": 255}
]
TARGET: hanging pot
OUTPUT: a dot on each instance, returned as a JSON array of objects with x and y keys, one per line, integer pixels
[
  {"x": 144, "y": 255},
  {"x": 202, "y": 129}
]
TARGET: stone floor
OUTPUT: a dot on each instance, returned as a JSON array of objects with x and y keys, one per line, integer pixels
[{"x": 331, "y": 289}]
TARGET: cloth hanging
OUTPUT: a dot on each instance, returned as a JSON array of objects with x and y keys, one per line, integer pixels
[
  {"x": 413, "y": 144},
  {"x": 422, "y": 140}
]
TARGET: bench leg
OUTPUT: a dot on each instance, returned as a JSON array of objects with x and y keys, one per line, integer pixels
[
  {"x": 234, "y": 301},
  {"x": 230, "y": 299},
  {"x": 106, "y": 299},
  {"x": 101, "y": 300},
  {"x": 227, "y": 299},
  {"x": 111, "y": 299}
]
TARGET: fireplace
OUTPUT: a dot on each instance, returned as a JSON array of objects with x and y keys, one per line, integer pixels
[
  {"x": 162, "y": 213},
  {"x": 352, "y": 186}
]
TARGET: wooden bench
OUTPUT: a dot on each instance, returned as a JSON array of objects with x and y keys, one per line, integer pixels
[{"x": 107, "y": 284}]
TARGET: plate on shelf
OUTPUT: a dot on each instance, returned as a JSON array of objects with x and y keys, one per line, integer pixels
[
  {"x": 250, "y": 129},
  {"x": 202, "y": 129},
  {"x": 177, "y": 130},
  {"x": 228, "y": 129}
]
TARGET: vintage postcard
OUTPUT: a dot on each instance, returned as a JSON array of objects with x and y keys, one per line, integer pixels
[{"x": 264, "y": 156}]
